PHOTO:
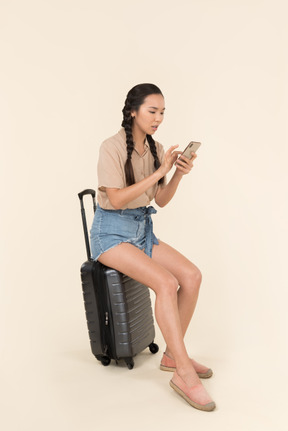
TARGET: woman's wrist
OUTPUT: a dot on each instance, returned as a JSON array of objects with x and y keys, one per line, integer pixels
[
  {"x": 178, "y": 175},
  {"x": 162, "y": 172}
]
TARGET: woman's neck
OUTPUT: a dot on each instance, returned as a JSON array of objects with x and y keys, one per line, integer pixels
[{"x": 139, "y": 137}]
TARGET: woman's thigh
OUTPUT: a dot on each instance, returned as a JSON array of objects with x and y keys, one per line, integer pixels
[
  {"x": 133, "y": 262},
  {"x": 171, "y": 259}
]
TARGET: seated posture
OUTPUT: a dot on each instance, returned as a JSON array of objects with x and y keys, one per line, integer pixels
[{"x": 132, "y": 170}]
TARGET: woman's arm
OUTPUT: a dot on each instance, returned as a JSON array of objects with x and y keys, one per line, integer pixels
[
  {"x": 165, "y": 194},
  {"x": 121, "y": 197}
]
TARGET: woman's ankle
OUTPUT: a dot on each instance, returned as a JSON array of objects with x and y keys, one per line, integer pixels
[
  {"x": 188, "y": 375},
  {"x": 168, "y": 354}
]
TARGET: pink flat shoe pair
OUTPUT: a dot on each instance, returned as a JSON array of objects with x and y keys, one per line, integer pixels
[
  {"x": 168, "y": 364},
  {"x": 196, "y": 396}
]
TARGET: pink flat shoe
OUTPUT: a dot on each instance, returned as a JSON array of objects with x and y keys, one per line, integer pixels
[
  {"x": 196, "y": 396},
  {"x": 168, "y": 364}
]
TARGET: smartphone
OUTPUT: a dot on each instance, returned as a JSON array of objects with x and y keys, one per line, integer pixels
[{"x": 192, "y": 147}]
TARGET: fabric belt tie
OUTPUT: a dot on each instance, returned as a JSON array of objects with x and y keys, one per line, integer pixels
[{"x": 147, "y": 211}]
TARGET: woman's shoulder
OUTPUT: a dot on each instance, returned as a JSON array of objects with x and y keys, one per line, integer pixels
[
  {"x": 114, "y": 147},
  {"x": 119, "y": 137}
]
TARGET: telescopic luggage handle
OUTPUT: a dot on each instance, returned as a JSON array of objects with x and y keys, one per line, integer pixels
[
  {"x": 87, "y": 192},
  {"x": 81, "y": 195}
]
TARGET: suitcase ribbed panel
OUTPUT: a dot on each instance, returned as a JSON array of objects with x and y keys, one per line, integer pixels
[
  {"x": 140, "y": 317},
  {"x": 132, "y": 315},
  {"x": 91, "y": 309}
]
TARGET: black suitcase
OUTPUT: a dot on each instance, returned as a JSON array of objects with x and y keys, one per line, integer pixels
[{"x": 118, "y": 308}]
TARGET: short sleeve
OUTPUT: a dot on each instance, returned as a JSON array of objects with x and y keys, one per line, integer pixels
[{"x": 110, "y": 167}]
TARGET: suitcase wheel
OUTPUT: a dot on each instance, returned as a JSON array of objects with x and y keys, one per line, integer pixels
[
  {"x": 154, "y": 348},
  {"x": 105, "y": 360},
  {"x": 129, "y": 363}
]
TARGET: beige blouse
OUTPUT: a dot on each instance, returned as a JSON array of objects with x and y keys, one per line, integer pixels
[{"x": 111, "y": 162}]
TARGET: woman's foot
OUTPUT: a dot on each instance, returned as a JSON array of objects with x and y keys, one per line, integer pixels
[
  {"x": 168, "y": 364},
  {"x": 195, "y": 394}
]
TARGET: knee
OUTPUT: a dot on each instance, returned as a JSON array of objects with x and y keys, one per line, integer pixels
[
  {"x": 168, "y": 286},
  {"x": 193, "y": 278},
  {"x": 197, "y": 276}
]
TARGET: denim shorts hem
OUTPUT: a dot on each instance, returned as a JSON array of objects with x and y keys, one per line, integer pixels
[{"x": 115, "y": 245}]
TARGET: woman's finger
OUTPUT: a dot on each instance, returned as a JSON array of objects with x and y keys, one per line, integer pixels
[
  {"x": 171, "y": 149},
  {"x": 194, "y": 155},
  {"x": 188, "y": 161},
  {"x": 184, "y": 162}
]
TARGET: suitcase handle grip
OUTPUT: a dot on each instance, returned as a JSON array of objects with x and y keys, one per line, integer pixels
[
  {"x": 80, "y": 195},
  {"x": 86, "y": 192}
]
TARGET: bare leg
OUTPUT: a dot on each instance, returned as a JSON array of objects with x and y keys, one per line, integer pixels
[
  {"x": 189, "y": 278},
  {"x": 136, "y": 264}
]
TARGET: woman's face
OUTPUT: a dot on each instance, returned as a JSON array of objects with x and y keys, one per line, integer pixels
[{"x": 150, "y": 114}]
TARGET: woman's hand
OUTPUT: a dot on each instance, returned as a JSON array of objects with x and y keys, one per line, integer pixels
[
  {"x": 184, "y": 165},
  {"x": 169, "y": 159}
]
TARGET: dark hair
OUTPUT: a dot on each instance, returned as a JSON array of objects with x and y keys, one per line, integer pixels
[{"x": 135, "y": 98}]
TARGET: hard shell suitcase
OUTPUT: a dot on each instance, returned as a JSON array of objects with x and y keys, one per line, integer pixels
[{"x": 118, "y": 308}]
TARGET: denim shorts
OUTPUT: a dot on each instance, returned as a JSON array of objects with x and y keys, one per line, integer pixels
[{"x": 112, "y": 227}]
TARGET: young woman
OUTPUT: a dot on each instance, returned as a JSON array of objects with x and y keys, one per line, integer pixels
[{"x": 132, "y": 170}]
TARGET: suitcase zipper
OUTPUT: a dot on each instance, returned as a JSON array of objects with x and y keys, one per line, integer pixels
[
  {"x": 103, "y": 309},
  {"x": 105, "y": 312}
]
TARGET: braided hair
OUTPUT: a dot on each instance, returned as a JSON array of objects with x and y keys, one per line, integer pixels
[{"x": 135, "y": 98}]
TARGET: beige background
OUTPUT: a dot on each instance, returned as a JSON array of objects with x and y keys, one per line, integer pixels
[{"x": 66, "y": 66}]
